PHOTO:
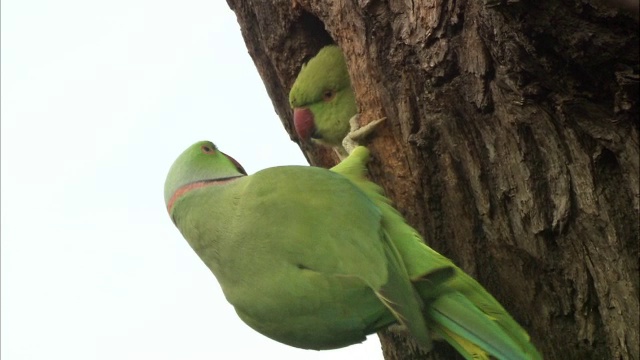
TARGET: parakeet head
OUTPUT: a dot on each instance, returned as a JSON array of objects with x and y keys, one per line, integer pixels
[
  {"x": 322, "y": 98},
  {"x": 201, "y": 164}
]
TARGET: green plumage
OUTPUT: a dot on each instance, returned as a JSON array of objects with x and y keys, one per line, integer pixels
[
  {"x": 319, "y": 259},
  {"x": 324, "y": 88}
]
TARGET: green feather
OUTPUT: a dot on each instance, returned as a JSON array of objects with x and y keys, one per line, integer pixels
[
  {"x": 319, "y": 259},
  {"x": 419, "y": 259},
  {"x": 326, "y": 72}
]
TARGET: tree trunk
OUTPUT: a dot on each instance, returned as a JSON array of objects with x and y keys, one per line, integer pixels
[{"x": 511, "y": 144}]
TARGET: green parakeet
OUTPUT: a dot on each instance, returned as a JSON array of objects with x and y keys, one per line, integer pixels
[
  {"x": 318, "y": 258},
  {"x": 322, "y": 98}
]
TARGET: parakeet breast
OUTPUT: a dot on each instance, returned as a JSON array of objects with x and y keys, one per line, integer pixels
[{"x": 290, "y": 249}]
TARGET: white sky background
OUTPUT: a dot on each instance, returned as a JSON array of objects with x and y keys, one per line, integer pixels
[{"x": 98, "y": 99}]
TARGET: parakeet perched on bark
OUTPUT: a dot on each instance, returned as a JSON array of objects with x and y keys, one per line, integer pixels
[{"x": 318, "y": 258}]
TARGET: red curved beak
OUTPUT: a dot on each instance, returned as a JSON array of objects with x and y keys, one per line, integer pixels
[{"x": 304, "y": 123}]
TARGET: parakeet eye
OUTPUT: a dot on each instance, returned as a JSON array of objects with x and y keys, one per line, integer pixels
[
  {"x": 328, "y": 95},
  {"x": 207, "y": 149}
]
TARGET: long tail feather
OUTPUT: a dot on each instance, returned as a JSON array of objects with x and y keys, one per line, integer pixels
[
  {"x": 457, "y": 315},
  {"x": 486, "y": 326}
]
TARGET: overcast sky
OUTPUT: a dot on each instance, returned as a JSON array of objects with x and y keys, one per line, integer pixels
[{"x": 98, "y": 99}]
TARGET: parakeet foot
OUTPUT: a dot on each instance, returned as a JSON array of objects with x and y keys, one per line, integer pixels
[
  {"x": 357, "y": 134},
  {"x": 403, "y": 332}
]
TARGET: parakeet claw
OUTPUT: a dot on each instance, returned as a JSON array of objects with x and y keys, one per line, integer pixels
[
  {"x": 357, "y": 134},
  {"x": 404, "y": 332}
]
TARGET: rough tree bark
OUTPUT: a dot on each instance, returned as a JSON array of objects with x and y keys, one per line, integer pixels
[{"x": 511, "y": 145}]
